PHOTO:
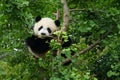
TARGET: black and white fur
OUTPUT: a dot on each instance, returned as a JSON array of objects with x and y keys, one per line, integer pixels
[{"x": 39, "y": 43}]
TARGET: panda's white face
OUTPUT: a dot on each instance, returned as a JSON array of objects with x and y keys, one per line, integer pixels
[{"x": 44, "y": 27}]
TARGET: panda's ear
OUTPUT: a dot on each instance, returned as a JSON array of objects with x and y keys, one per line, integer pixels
[
  {"x": 38, "y": 18},
  {"x": 57, "y": 23}
]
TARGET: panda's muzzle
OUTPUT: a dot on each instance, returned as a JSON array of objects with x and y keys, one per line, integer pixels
[{"x": 43, "y": 34}]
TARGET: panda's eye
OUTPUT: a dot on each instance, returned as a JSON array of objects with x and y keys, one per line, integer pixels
[
  {"x": 40, "y": 28},
  {"x": 49, "y": 30}
]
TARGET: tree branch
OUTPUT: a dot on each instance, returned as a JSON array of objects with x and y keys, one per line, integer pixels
[
  {"x": 66, "y": 15},
  {"x": 90, "y": 47}
]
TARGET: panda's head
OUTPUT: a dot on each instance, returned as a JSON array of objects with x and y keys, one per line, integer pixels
[{"x": 44, "y": 27}]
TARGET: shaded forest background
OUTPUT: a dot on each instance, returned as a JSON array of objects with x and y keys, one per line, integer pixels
[{"x": 90, "y": 21}]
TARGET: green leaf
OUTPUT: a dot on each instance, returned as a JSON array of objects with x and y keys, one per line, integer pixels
[
  {"x": 110, "y": 73},
  {"x": 118, "y": 26}
]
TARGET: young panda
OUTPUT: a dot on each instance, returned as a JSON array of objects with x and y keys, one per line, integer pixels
[{"x": 39, "y": 43}]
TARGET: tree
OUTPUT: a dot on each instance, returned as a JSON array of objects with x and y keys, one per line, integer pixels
[{"x": 94, "y": 26}]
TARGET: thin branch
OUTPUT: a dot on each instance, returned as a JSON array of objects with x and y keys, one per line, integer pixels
[
  {"x": 66, "y": 15},
  {"x": 71, "y": 10},
  {"x": 4, "y": 56},
  {"x": 57, "y": 14},
  {"x": 89, "y": 47}
]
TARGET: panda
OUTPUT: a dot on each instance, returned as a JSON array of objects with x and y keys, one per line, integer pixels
[{"x": 39, "y": 43}]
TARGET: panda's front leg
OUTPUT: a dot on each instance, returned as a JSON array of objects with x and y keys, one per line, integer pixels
[{"x": 67, "y": 44}]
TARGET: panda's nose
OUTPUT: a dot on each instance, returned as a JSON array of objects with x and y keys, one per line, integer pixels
[{"x": 43, "y": 34}]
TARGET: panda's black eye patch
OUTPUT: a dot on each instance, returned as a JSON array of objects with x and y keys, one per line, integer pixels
[
  {"x": 49, "y": 30},
  {"x": 40, "y": 28}
]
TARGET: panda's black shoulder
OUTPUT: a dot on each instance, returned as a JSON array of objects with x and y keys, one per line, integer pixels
[
  {"x": 37, "y": 44},
  {"x": 35, "y": 40}
]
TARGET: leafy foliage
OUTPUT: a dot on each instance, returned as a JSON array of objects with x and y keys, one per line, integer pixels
[{"x": 89, "y": 20}]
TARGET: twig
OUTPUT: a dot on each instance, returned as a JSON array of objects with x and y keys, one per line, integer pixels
[
  {"x": 71, "y": 10},
  {"x": 4, "y": 56},
  {"x": 57, "y": 14}
]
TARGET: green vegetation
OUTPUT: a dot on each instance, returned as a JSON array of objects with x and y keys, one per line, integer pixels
[{"x": 89, "y": 20}]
